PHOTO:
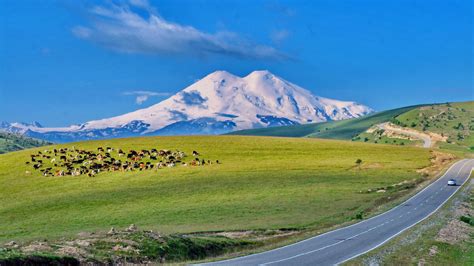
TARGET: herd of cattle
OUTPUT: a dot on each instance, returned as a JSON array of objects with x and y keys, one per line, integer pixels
[{"x": 75, "y": 162}]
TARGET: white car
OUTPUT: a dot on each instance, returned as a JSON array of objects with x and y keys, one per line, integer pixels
[{"x": 451, "y": 182}]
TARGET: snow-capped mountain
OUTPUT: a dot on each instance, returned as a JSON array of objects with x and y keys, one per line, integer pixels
[{"x": 218, "y": 103}]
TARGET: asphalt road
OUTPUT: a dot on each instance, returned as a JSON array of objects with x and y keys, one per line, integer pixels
[{"x": 349, "y": 242}]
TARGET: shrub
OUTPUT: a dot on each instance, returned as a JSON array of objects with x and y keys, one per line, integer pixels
[{"x": 467, "y": 219}]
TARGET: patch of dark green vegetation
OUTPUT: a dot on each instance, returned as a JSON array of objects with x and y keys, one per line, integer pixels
[
  {"x": 14, "y": 142},
  {"x": 179, "y": 248},
  {"x": 467, "y": 219},
  {"x": 13, "y": 257}
]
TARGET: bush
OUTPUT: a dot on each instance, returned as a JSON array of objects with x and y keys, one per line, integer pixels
[{"x": 467, "y": 219}]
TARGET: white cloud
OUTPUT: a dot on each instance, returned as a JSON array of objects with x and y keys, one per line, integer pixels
[
  {"x": 140, "y": 3},
  {"x": 119, "y": 28},
  {"x": 143, "y": 96}
]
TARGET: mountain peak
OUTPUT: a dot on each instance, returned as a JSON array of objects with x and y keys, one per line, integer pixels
[
  {"x": 260, "y": 73},
  {"x": 221, "y": 74}
]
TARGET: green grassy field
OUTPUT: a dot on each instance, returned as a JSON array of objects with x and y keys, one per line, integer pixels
[
  {"x": 262, "y": 183},
  {"x": 12, "y": 142}
]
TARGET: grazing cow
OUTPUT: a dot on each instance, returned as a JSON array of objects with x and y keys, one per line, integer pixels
[{"x": 76, "y": 162}]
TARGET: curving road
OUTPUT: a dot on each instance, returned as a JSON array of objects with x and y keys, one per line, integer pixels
[
  {"x": 343, "y": 244},
  {"x": 427, "y": 142}
]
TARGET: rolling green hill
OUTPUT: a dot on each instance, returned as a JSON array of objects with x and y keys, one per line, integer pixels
[
  {"x": 12, "y": 142},
  {"x": 452, "y": 120},
  {"x": 344, "y": 129}
]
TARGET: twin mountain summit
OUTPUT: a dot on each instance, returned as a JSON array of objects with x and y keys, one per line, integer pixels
[{"x": 216, "y": 104}]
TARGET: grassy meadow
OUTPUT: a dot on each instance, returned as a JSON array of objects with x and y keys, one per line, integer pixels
[{"x": 261, "y": 183}]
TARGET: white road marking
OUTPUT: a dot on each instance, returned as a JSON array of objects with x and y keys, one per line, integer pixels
[
  {"x": 322, "y": 248},
  {"x": 403, "y": 230}
]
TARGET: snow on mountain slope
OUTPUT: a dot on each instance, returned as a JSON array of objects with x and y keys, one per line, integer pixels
[{"x": 218, "y": 103}]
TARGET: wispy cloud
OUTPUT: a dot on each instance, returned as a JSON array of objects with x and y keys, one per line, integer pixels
[
  {"x": 279, "y": 36},
  {"x": 122, "y": 28},
  {"x": 143, "y": 96}
]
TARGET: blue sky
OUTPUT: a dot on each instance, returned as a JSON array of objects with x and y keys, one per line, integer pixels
[{"x": 66, "y": 62}]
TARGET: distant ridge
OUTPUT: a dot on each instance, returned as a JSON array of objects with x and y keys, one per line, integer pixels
[{"x": 14, "y": 142}]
